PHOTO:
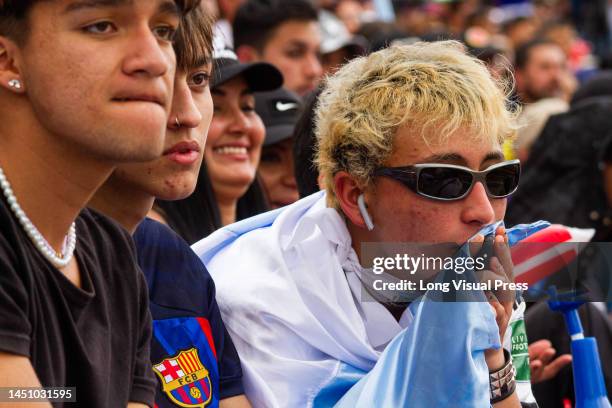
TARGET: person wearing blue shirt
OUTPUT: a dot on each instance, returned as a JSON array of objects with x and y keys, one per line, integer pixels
[{"x": 192, "y": 355}]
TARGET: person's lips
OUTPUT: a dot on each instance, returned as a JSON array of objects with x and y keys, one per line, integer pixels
[
  {"x": 185, "y": 153},
  {"x": 151, "y": 97}
]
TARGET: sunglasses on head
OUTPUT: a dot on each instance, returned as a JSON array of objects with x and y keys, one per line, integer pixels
[{"x": 448, "y": 182}]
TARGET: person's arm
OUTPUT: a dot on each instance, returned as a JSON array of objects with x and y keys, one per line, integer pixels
[
  {"x": 16, "y": 372},
  {"x": 239, "y": 401},
  {"x": 136, "y": 405},
  {"x": 501, "y": 265}
]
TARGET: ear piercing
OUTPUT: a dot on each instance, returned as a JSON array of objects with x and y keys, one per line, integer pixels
[{"x": 15, "y": 83}]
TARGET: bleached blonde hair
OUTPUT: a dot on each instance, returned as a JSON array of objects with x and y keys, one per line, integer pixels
[{"x": 435, "y": 88}]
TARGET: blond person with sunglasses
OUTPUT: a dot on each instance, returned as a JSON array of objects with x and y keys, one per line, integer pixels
[{"x": 409, "y": 151}]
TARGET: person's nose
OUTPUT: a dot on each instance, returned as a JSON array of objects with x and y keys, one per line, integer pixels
[
  {"x": 477, "y": 207},
  {"x": 239, "y": 122},
  {"x": 184, "y": 111},
  {"x": 312, "y": 67},
  {"x": 146, "y": 55}
]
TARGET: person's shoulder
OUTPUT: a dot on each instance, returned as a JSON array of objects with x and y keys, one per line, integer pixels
[
  {"x": 175, "y": 275},
  {"x": 152, "y": 232},
  {"x": 105, "y": 244},
  {"x": 99, "y": 225}
]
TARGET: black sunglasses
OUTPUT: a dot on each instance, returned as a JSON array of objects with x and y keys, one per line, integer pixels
[{"x": 448, "y": 182}]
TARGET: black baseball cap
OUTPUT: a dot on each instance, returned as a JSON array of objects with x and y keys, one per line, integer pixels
[
  {"x": 260, "y": 76},
  {"x": 279, "y": 110}
]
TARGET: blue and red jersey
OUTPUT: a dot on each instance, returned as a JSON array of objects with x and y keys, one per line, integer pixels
[{"x": 191, "y": 352}]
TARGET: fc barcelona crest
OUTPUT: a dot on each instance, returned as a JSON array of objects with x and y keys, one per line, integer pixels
[{"x": 185, "y": 380}]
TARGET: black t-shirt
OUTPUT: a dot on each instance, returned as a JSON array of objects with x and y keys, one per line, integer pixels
[
  {"x": 95, "y": 338},
  {"x": 191, "y": 351}
]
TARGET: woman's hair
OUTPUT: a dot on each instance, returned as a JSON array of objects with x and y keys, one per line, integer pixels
[
  {"x": 197, "y": 216},
  {"x": 434, "y": 88},
  {"x": 304, "y": 147}
]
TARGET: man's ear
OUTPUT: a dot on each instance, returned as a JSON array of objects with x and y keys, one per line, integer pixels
[
  {"x": 10, "y": 76},
  {"x": 246, "y": 53},
  {"x": 348, "y": 192}
]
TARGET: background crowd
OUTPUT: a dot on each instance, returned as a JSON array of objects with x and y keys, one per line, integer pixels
[{"x": 556, "y": 54}]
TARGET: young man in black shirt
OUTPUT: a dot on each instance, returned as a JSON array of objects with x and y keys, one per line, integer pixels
[{"x": 84, "y": 85}]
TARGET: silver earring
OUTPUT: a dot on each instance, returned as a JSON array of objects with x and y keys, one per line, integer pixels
[{"x": 15, "y": 83}]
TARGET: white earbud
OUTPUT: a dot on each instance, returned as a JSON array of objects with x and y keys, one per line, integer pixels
[{"x": 364, "y": 213}]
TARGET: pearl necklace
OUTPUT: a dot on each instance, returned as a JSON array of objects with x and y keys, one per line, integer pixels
[{"x": 59, "y": 260}]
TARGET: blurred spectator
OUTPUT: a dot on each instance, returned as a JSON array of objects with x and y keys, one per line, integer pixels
[
  {"x": 541, "y": 72},
  {"x": 544, "y": 86},
  {"x": 519, "y": 31},
  {"x": 338, "y": 45},
  {"x": 532, "y": 120},
  {"x": 227, "y": 189},
  {"x": 225, "y": 11},
  {"x": 577, "y": 50},
  {"x": 489, "y": 49},
  {"x": 380, "y": 34},
  {"x": 548, "y": 10},
  {"x": 284, "y": 33},
  {"x": 350, "y": 12},
  {"x": 279, "y": 111},
  {"x": 564, "y": 181},
  {"x": 483, "y": 18}
]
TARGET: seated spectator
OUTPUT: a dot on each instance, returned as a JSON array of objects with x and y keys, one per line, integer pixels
[
  {"x": 519, "y": 31},
  {"x": 294, "y": 300},
  {"x": 338, "y": 45},
  {"x": 84, "y": 87},
  {"x": 541, "y": 71},
  {"x": 227, "y": 189},
  {"x": 188, "y": 332},
  {"x": 279, "y": 111},
  {"x": 282, "y": 33},
  {"x": 565, "y": 176}
]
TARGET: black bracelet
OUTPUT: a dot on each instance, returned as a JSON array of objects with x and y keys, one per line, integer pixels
[{"x": 502, "y": 382}]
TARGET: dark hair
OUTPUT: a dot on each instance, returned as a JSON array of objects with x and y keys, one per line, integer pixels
[
  {"x": 599, "y": 85},
  {"x": 14, "y": 13},
  {"x": 523, "y": 53},
  {"x": 197, "y": 216},
  {"x": 304, "y": 147},
  {"x": 255, "y": 20},
  {"x": 511, "y": 24},
  {"x": 193, "y": 42}
]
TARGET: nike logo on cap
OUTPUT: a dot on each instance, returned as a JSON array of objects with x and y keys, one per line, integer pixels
[{"x": 282, "y": 107}]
